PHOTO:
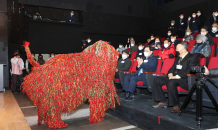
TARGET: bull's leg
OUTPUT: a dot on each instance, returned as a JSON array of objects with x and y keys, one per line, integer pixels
[{"x": 97, "y": 112}]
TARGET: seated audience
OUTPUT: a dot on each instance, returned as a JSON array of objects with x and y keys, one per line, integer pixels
[
  {"x": 204, "y": 31},
  {"x": 37, "y": 16},
  {"x": 140, "y": 52},
  {"x": 133, "y": 47},
  {"x": 174, "y": 40},
  {"x": 214, "y": 31},
  {"x": 157, "y": 44},
  {"x": 177, "y": 76},
  {"x": 181, "y": 25},
  {"x": 188, "y": 36},
  {"x": 152, "y": 39},
  {"x": 202, "y": 18},
  {"x": 124, "y": 63},
  {"x": 121, "y": 48},
  {"x": 41, "y": 61},
  {"x": 146, "y": 64},
  {"x": 194, "y": 23},
  {"x": 169, "y": 33},
  {"x": 168, "y": 51},
  {"x": 71, "y": 17},
  {"x": 202, "y": 46},
  {"x": 172, "y": 27},
  {"x": 212, "y": 18}
]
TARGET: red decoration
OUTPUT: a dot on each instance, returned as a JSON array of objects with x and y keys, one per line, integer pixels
[{"x": 64, "y": 82}]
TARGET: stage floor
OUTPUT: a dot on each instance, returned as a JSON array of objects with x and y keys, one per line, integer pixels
[
  {"x": 140, "y": 113},
  {"x": 77, "y": 120}
]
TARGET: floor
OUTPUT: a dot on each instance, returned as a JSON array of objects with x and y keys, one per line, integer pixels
[{"x": 77, "y": 120}]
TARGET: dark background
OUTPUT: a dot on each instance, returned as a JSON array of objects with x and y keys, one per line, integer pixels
[{"x": 112, "y": 21}]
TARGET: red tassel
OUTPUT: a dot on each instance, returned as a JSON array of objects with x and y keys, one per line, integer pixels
[{"x": 25, "y": 44}]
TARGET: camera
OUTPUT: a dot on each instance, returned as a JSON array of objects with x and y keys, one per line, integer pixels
[{"x": 198, "y": 69}]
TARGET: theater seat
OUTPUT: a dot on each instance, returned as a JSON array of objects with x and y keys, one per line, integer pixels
[
  {"x": 181, "y": 39},
  {"x": 212, "y": 50},
  {"x": 156, "y": 52},
  {"x": 195, "y": 34},
  {"x": 133, "y": 55},
  {"x": 117, "y": 80},
  {"x": 140, "y": 83},
  {"x": 190, "y": 45},
  {"x": 180, "y": 90},
  {"x": 162, "y": 39},
  {"x": 146, "y": 43},
  {"x": 215, "y": 39},
  {"x": 128, "y": 49}
]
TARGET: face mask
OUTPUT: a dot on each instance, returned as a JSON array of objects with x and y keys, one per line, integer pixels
[
  {"x": 177, "y": 53},
  {"x": 132, "y": 44},
  {"x": 140, "y": 48},
  {"x": 146, "y": 54},
  {"x": 172, "y": 24},
  {"x": 203, "y": 33},
  {"x": 52, "y": 56},
  {"x": 198, "y": 14},
  {"x": 152, "y": 38},
  {"x": 187, "y": 33},
  {"x": 193, "y": 16},
  {"x": 72, "y": 13},
  {"x": 120, "y": 46},
  {"x": 88, "y": 40},
  {"x": 172, "y": 40},
  {"x": 33, "y": 56},
  {"x": 169, "y": 34},
  {"x": 189, "y": 19},
  {"x": 166, "y": 45},
  {"x": 182, "y": 17},
  {"x": 214, "y": 28},
  {"x": 124, "y": 56}
]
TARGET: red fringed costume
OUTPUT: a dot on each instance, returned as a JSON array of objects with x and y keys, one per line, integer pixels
[{"x": 67, "y": 80}]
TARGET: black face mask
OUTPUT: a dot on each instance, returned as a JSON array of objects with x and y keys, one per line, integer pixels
[{"x": 177, "y": 53}]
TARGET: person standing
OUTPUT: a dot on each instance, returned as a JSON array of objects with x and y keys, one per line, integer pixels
[
  {"x": 41, "y": 61},
  {"x": 17, "y": 67},
  {"x": 71, "y": 17}
]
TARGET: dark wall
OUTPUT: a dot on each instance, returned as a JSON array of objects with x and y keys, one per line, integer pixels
[
  {"x": 136, "y": 8},
  {"x": 4, "y": 41}
]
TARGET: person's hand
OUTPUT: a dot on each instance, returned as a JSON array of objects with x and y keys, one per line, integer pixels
[
  {"x": 158, "y": 45},
  {"x": 153, "y": 46},
  {"x": 172, "y": 77},
  {"x": 116, "y": 70},
  {"x": 206, "y": 71},
  {"x": 140, "y": 61}
]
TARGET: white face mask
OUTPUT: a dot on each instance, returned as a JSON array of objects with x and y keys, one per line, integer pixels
[
  {"x": 33, "y": 56},
  {"x": 193, "y": 16},
  {"x": 182, "y": 17},
  {"x": 203, "y": 33},
  {"x": 169, "y": 34},
  {"x": 140, "y": 48},
  {"x": 132, "y": 44},
  {"x": 88, "y": 40},
  {"x": 120, "y": 46},
  {"x": 52, "y": 56},
  {"x": 166, "y": 45},
  {"x": 172, "y": 24},
  {"x": 189, "y": 19},
  {"x": 146, "y": 54},
  {"x": 187, "y": 33},
  {"x": 124, "y": 56},
  {"x": 172, "y": 40},
  {"x": 152, "y": 38},
  {"x": 214, "y": 28},
  {"x": 199, "y": 14}
]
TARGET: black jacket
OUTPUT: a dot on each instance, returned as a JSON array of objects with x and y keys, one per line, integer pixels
[
  {"x": 176, "y": 42},
  {"x": 173, "y": 28},
  {"x": 210, "y": 39},
  {"x": 181, "y": 26},
  {"x": 88, "y": 44},
  {"x": 210, "y": 20},
  {"x": 202, "y": 19},
  {"x": 140, "y": 53},
  {"x": 124, "y": 65},
  {"x": 213, "y": 34},
  {"x": 70, "y": 19},
  {"x": 188, "y": 61},
  {"x": 213, "y": 72},
  {"x": 195, "y": 24},
  {"x": 133, "y": 49}
]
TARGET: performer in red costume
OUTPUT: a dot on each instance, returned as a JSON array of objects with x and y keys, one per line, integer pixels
[{"x": 67, "y": 80}]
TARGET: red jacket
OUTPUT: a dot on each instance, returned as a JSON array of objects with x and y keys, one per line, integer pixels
[{"x": 164, "y": 53}]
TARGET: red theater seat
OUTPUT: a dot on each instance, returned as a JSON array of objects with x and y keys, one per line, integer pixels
[
  {"x": 133, "y": 55},
  {"x": 190, "y": 45},
  {"x": 181, "y": 39},
  {"x": 213, "y": 63},
  {"x": 156, "y": 52},
  {"x": 180, "y": 90},
  {"x": 162, "y": 39},
  {"x": 146, "y": 43},
  {"x": 140, "y": 83},
  {"x": 128, "y": 49},
  {"x": 212, "y": 50},
  {"x": 168, "y": 63},
  {"x": 195, "y": 34},
  {"x": 215, "y": 39},
  {"x": 117, "y": 80}
]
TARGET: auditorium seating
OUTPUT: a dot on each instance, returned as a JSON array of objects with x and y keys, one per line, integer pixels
[
  {"x": 162, "y": 39},
  {"x": 146, "y": 43},
  {"x": 212, "y": 50},
  {"x": 195, "y": 34},
  {"x": 215, "y": 39},
  {"x": 133, "y": 55},
  {"x": 190, "y": 45},
  {"x": 156, "y": 52},
  {"x": 181, "y": 39},
  {"x": 128, "y": 49}
]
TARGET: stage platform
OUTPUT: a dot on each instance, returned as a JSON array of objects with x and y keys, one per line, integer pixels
[{"x": 140, "y": 113}]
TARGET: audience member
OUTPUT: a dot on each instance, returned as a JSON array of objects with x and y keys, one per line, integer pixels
[
  {"x": 194, "y": 23},
  {"x": 202, "y": 18},
  {"x": 177, "y": 76},
  {"x": 140, "y": 52},
  {"x": 157, "y": 44},
  {"x": 146, "y": 64},
  {"x": 204, "y": 31},
  {"x": 168, "y": 51},
  {"x": 37, "y": 16},
  {"x": 201, "y": 46},
  {"x": 133, "y": 47},
  {"x": 52, "y": 54},
  {"x": 129, "y": 40},
  {"x": 188, "y": 36},
  {"x": 169, "y": 33},
  {"x": 28, "y": 65},
  {"x": 152, "y": 39},
  {"x": 181, "y": 25},
  {"x": 214, "y": 31},
  {"x": 17, "y": 67},
  {"x": 71, "y": 17},
  {"x": 88, "y": 43},
  {"x": 174, "y": 40},
  {"x": 121, "y": 48},
  {"x": 211, "y": 19},
  {"x": 172, "y": 27},
  {"x": 41, "y": 61}
]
